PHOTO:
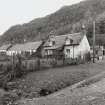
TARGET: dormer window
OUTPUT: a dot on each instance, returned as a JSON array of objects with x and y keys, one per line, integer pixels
[
  {"x": 51, "y": 43},
  {"x": 71, "y": 41},
  {"x": 68, "y": 41}
]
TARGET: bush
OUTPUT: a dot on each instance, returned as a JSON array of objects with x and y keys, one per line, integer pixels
[
  {"x": 10, "y": 72},
  {"x": 71, "y": 61},
  {"x": 8, "y": 99},
  {"x": 44, "y": 92}
]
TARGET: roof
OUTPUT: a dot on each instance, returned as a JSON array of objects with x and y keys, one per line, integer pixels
[
  {"x": 5, "y": 47},
  {"x": 52, "y": 48},
  {"x": 60, "y": 40},
  {"x": 26, "y": 46},
  {"x": 100, "y": 38},
  {"x": 97, "y": 47}
]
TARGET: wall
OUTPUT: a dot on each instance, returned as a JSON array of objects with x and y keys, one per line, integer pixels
[
  {"x": 10, "y": 53},
  {"x": 84, "y": 46},
  {"x": 77, "y": 50}
]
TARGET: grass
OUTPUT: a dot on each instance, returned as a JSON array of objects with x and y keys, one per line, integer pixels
[
  {"x": 55, "y": 79},
  {"x": 92, "y": 80}
]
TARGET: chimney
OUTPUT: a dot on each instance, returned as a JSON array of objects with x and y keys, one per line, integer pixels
[
  {"x": 52, "y": 34},
  {"x": 83, "y": 29},
  {"x": 24, "y": 40}
]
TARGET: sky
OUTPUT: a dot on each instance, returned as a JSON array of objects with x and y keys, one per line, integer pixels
[{"x": 14, "y": 12}]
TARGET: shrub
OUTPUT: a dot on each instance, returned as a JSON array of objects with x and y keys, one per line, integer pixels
[
  {"x": 44, "y": 92},
  {"x": 71, "y": 61},
  {"x": 8, "y": 99}
]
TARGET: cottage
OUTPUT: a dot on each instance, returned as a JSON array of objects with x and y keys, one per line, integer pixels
[
  {"x": 99, "y": 51},
  {"x": 4, "y": 49},
  {"x": 53, "y": 47},
  {"x": 68, "y": 46},
  {"x": 76, "y": 45},
  {"x": 29, "y": 48}
]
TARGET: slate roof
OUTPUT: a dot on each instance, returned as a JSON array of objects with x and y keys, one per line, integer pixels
[
  {"x": 97, "y": 47},
  {"x": 60, "y": 40},
  {"x": 5, "y": 47},
  {"x": 100, "y": 36},
  {"x": 26, "y": 46},
  {"x": 53, "y": 47}
]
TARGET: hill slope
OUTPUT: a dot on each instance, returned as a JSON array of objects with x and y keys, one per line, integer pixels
[{"x": 66, "y": 20}]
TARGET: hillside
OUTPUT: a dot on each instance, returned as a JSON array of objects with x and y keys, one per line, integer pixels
[{"x": 68, "y": 19}]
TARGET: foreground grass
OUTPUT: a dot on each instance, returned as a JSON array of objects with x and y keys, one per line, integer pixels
[{"x": 55, "y": 79}]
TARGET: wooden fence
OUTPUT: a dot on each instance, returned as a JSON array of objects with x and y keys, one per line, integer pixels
[{"x": 34, "y": 64}]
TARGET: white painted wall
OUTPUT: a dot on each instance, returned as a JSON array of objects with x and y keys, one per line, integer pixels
[
  {"x": 80, "y": 49},
  {"x": 84, "y": 46},
  {"x": 10, "y": 53},
  {"x": 2, "y": 51}
]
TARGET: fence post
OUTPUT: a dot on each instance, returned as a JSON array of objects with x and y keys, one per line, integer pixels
[{"x": 38, "y": 63}]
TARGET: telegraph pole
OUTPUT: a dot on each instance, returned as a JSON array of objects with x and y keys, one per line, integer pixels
[{"x": 94, "y": 41}]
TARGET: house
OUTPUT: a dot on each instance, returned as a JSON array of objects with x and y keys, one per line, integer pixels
[
  {"x": 25, "y": 49},
  {"x": 53, "y": 47},
  {"x": 4, "y": 49},
  {"x": 69, "y": 46},
  {"x": 99, "y": 51},
  {"x": 76, "y": 45}
]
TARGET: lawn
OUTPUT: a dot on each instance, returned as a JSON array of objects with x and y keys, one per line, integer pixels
[{"x": 56, "y": 79}]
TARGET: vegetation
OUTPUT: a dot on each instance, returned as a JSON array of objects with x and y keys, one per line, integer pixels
[
  {"x": 42, "y": 83},
  {"x": 9, "y": 72},
  {"x": 45, "y": 82},
  {"x": 68, "y": 19}
]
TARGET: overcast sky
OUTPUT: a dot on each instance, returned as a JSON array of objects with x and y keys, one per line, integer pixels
[{"x": 21, "y": 11}]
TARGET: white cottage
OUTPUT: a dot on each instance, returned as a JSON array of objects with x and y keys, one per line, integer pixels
[
  {"x": 69, "y": 45},
  {"x": 5, "y": 48},
  {"x": 29, "y": 47},
  {"x": 76, "y": 45}
]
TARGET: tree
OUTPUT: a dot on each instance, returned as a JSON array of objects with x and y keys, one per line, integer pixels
[{"x": 101, "y": 25}]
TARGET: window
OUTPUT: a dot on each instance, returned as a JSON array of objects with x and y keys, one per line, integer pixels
[
  {"x": 68, "y": 51},
  {"x": 68, "y": 41},
  {"x": 67, "y": 54},
  {"x": 53, "y": 42},
  {"x": 50, "y": 52},
  {"x": 46, "y": 52},
  {"x": 71, "y": 41}
]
